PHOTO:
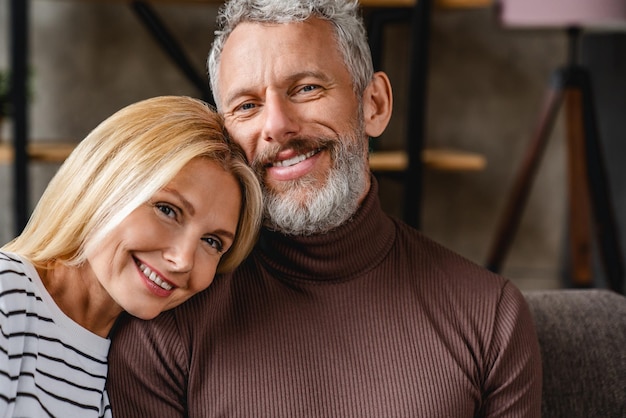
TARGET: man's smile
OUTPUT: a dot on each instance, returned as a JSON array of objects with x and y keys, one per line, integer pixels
[
  {"x": 296, "y": 159},
  {"x": 293, "y": 164}
]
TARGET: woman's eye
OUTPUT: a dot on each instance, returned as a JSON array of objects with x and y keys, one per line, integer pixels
[
  {"x": 214, "y": 243},
  {"x": 166, "y": 210}
]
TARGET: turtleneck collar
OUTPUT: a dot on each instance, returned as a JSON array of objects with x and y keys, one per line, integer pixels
[{"x": 349, "y": 250}]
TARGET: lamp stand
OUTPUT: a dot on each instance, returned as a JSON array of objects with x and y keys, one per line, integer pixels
[{"x": 590, "y": 207}]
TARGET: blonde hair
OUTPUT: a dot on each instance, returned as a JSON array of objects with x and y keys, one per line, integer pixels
[{"x": 120, "y": 165}]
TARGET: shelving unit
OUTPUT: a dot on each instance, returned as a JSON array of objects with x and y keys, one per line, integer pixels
[
  {"x": 409, "y": 162},
  {"x": 384, "y": 161}
]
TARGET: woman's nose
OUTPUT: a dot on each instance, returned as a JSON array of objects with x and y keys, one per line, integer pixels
[{"x": 180, "y": 254}]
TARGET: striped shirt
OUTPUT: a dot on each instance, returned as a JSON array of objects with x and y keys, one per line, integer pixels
[{"x": 49, "y": 365}]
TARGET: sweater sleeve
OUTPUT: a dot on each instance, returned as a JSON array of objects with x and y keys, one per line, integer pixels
[
  {"x": 148, "y": 367},
  {"x": 512, "y": 386}
]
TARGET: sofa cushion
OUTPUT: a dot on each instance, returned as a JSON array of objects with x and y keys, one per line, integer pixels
[{"x": 582, "y": 335}]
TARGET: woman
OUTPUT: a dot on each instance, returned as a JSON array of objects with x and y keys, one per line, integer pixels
[{"x": 139, "y": 218}]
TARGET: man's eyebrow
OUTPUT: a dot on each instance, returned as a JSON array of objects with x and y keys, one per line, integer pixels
[
  {"x": 244, "y": 91},
  {"x": 311, "y": 73},
  {"x": 318, "y": 75}
]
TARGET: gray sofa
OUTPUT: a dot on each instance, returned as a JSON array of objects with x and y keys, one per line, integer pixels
[{"x": 582, "y": 334}]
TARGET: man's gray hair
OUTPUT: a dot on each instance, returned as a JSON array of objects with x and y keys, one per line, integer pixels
[{"x": 344, "y": 15}]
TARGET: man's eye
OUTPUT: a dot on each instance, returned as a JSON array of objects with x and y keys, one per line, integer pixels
[
  {"x": 214, "y": 243},
  {"x": 308, "y": 89},
  {"x": 246, "y": 106}
]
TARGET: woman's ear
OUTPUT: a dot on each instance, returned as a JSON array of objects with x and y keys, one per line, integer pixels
[{"x": 377, "y": 104}]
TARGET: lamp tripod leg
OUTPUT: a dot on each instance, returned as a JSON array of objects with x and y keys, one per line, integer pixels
[
  {"x": 604, "y": 216},
  {"x": 521, "y": 187},
  {"x": 580, "y": 271}
]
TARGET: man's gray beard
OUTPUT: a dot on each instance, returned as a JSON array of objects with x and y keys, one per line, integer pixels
[{"x": 303, "y": 208}]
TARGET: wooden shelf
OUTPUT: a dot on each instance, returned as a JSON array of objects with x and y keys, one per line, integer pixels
[
  {"x": 433, "y": 159},
  {"x": 453, "y": 160},
  {"x": 445, "y": 160},
  {"x": 47, "y": 152}
]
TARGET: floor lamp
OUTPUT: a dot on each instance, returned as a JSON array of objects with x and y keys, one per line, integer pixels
[{"x": 590, "y": 207}]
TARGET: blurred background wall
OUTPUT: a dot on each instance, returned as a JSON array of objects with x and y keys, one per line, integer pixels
[{"x": 486, "y": 85}]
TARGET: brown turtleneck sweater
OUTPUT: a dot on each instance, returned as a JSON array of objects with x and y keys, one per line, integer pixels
[{"x": 370, "y": 320}]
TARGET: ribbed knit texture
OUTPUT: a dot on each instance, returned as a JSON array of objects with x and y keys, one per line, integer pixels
[{"x": 370, "y": 320}]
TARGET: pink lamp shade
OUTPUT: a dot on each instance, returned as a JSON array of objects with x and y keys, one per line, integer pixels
[{"x": 592, "y": 14}]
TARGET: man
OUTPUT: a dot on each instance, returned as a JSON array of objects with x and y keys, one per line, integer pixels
[{"x": 341, "y": 311}]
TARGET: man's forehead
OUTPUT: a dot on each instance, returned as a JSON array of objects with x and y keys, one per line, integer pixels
[
  {"x": 312, "y": 27},
  {"x": 273, "y": 45}
]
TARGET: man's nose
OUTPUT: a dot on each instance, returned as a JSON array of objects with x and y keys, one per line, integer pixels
[{"x": 280, "y": 121}]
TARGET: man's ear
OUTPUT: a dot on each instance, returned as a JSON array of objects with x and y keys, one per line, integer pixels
[{"x": 377, "y": 104}]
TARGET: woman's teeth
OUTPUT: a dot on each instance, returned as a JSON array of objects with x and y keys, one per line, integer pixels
[
  {"x": 295, "y": 160},
  {"x": 153, "y": 277}
]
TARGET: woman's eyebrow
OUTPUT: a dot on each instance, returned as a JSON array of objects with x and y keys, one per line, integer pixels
[{"x": 184, "y": 202}]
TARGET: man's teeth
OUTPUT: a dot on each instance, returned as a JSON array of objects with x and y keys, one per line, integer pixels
[
  {"x": 295, "y": 160},
  {"x": 154, "y": 277}
]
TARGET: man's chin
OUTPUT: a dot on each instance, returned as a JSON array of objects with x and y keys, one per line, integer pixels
[
  {"x": 298, "y": 189},
  {"x": 293, "y": 199},
  {"x": 308, "y": 211}
]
